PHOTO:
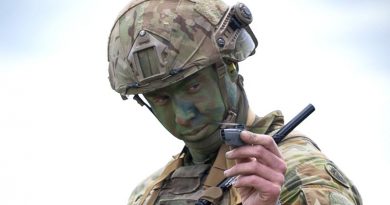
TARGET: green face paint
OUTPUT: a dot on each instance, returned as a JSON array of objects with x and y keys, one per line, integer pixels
[{"x": 191, "y": 109}]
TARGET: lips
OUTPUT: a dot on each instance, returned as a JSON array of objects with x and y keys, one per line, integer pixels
[{"x": 194, "y": 131}]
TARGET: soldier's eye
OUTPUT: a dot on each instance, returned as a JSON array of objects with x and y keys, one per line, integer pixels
[
  {"x": 160, "y": 99},
  {"x": 194, "y": 88}
]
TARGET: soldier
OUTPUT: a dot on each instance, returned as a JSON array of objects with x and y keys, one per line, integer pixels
[{"x": 182, "y": 56}]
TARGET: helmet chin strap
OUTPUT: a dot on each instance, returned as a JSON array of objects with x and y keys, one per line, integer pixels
[
  {"x": 230, "y": 112},
  {"x": 233, "y": 110}
]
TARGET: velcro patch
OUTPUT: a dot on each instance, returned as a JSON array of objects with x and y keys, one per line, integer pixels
[{"x": 336, "y": 174}]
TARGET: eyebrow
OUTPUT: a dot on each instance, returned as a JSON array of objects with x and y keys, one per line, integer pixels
[
  {"x": 180, "y": 83},
  {"x": 189, "y": 78}
]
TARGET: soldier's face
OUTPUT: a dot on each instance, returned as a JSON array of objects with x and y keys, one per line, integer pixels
[{"x": 190, "y": 109}]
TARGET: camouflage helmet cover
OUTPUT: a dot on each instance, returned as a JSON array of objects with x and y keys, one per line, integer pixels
[{"x": 155, "y": 43}]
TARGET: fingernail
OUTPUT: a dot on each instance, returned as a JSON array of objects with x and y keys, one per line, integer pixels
[
  {"x": 228, "y": 154},
  {"x": 245, "y": 132},
  {"x": 234, "y": 181}
]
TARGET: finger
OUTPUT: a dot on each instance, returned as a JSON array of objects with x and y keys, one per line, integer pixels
[
  {"x": 260, "y": 153},
  {"x": 257, "y": 169},
  {"x": 259, "y": 139},
  {"x": 243, "y": 160},
  {"x": 267, "y": 190},
  {"x": 229, "y": 155}
]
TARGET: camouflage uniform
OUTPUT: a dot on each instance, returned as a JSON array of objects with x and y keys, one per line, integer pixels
[
  {"x": 311, "y": 178},
  {"x": 157, "y": 43}
]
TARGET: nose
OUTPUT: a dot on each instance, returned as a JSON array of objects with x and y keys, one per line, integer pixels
[{"x": 184, "y": 111}]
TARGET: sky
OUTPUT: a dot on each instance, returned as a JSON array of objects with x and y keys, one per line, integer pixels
[{"x": 67, "y": 138}]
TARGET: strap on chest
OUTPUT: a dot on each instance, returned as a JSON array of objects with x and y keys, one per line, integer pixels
[
  {"x": 213, "y": 193},
  {"x": 214, "y": 177},
  {"x": 156, "y": 184}
]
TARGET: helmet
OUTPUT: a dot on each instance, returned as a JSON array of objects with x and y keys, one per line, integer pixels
[{"x": 155, "y": 43}]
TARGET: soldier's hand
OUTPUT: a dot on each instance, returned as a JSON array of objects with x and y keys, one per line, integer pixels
[{"x": 260, "y": 169}]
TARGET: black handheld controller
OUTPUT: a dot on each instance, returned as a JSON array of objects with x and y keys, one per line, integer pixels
[{"x": 231, "y": 136}]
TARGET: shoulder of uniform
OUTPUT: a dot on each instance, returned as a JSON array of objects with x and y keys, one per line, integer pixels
[
  {"x": 140, "y": 189},
  {"x": 302, "y": 158},
  {"x": 297, "y": 139},
  {"x": 311, "y": 176}
]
